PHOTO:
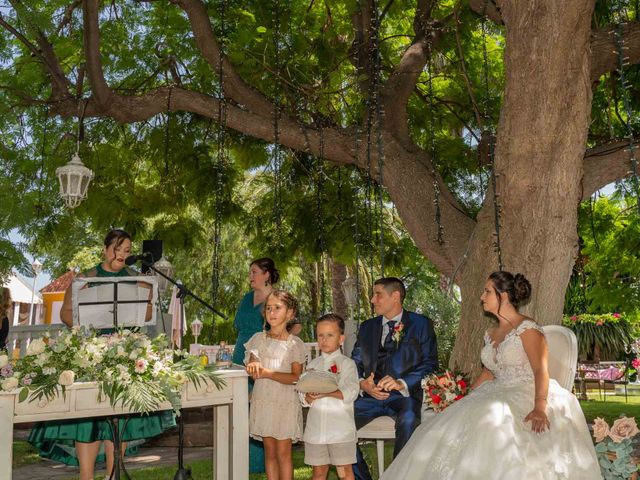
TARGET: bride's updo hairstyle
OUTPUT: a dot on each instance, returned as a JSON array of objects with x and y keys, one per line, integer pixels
[{"x": 516, "y": 286}]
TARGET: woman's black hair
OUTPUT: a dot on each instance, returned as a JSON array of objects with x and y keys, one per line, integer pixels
[
  {"x": 116, "y": 237},
  {"x": 267, "y": 265},
  {"x": 516, "y": 286}
]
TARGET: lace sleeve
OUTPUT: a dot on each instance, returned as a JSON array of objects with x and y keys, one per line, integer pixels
[{"x": 528, "y": 325}]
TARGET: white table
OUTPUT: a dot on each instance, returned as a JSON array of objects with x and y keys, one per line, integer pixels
[{"x": 230, "y": 418}]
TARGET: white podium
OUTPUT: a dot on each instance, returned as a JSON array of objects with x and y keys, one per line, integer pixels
[{"x": 230, "y": 418}]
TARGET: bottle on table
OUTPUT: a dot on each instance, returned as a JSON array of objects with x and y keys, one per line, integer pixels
[
  {"x": 204, "y": 358},
  {"x": 223, "y": 357}
]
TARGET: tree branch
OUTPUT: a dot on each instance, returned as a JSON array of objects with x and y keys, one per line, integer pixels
[
  {"x": 605, "y": 164},
  {"x": 68, "y": 15},
  {"x": 361, "y": 45},
  {"x": 401, "y": 83},
  {"x": 604, "y": 53},
  {"x": 101, "y": 90},
  {"x": 233, "y": 86},
  {"x": 487, "y": 8},
  {"x": 44, "y": 52}
]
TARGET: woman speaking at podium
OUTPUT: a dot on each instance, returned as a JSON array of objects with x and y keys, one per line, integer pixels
[{"x": 77, "y": 442}]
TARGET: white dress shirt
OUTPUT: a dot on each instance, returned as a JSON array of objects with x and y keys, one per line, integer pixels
[
  {"x": 330, "y": 420},
  {"x": 385, "y": 325}
]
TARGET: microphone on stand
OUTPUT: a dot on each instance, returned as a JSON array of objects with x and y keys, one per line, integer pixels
[{"x": 145, "y": 257}]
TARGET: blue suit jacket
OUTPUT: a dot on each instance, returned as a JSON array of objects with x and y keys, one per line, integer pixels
[{"x": 414, "y": 358}]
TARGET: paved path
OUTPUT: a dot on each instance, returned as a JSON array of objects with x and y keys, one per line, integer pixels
[{"x": 147, "y": 457}]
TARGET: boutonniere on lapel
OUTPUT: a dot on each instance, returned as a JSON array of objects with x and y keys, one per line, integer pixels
[
  {"x": 334, "y": 368},
  {"x": 398, "y": 332}
]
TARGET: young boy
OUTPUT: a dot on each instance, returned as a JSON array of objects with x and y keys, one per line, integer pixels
[{"x": 330, "y": 433}]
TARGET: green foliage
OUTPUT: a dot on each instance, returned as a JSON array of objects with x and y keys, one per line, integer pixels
[
  {"x": 173, "y": 199},
  {"x": 620, "y": 467},
  {"x": 443, "y": 311},
  {"x": 610, "y": 334},
  {"x": 607, "y": 274}
]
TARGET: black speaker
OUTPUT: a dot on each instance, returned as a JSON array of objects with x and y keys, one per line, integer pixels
[{"x": 154, "y": 247}]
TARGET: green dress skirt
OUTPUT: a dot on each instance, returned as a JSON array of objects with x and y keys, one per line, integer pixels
[
  {"x": 248, "y": 321},
  {"x": 56, "y": 439}
]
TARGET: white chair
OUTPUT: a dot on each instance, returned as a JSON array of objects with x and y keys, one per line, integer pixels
[
  {"x": 563, "y": 354},
  {"x": 384, "y": 428}
]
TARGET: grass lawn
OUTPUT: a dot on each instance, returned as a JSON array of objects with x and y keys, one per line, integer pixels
[
  {"x": 24, "y": 454},
  {"x": 612, "y": 408},
  {"x": 201, "y": 470}
]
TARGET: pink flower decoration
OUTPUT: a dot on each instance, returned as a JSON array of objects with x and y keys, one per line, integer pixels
[
  {"x": 635, "y": 363},
  {"x": 574, "y": 318},
  {"x": 141, "y": 365},
  {"x": 616, "y": 315},
  {"x": 599, "y": 323}
]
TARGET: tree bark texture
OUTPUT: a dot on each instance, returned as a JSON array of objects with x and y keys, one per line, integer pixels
[{"x": 538, "y": 161}]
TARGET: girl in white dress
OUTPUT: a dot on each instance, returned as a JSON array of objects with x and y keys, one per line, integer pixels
[
  {"x": 274, "y": 360},
  {"x": 516, "y": 423}
]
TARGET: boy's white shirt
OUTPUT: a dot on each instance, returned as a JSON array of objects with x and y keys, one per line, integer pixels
[{"x": 331, "y": 420}]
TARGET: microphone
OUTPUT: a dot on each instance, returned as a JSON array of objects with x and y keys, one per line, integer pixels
[{"x": 145, "y": 257}]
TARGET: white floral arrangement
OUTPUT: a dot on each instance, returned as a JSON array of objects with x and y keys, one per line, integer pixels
[
  {"x": 131, "y": 369},
  {"x": 615, "y": 447}
]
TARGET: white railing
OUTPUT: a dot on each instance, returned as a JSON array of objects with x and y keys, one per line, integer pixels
[
  {"x": 311, "y": 350},
  {"x": 21, "y": 335}
]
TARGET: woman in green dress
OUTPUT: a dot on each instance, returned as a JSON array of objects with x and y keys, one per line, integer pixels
[
  {"x": 249, "y": 321},
  {"x": 77, "y": 442}
]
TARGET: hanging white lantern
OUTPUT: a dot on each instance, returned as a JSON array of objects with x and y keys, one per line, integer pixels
[
  {"x": 164, "y": 266},
  {"x": 74, "y": 181},
  {"x": 350, "y": 290}
]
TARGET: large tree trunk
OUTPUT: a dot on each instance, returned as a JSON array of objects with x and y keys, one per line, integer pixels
[{"x": 539, "y": 162}]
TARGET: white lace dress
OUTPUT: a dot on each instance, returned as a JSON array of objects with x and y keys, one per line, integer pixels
[
  {"x": 275, "y": 408},
  {"x": 483, "y": 436}
]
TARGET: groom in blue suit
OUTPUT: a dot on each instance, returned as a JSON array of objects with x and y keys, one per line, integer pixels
[{"x": 393, "y": 353}]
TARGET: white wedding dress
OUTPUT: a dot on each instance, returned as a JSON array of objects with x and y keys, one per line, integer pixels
[{"x": 483, "y": 436}]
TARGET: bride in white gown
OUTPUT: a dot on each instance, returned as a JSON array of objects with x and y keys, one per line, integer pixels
[{"x": 516, "y": 422}]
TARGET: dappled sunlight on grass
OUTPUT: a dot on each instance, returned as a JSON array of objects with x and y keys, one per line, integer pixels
[{"x": 201, "y": 469}]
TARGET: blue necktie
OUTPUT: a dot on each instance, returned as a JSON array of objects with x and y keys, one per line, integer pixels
[{"x": 388, "y": 340}]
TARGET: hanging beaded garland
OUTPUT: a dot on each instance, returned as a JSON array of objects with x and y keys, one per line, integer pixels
[
  {"x": 276, "y": 163},
  {"x": 489, "y": 127},
  {"x": 222, "y": 156},
  {"x": 432, "y": 150}
]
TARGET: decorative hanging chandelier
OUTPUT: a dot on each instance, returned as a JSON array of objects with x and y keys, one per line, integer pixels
[
  {"x": 74, "y": 176},
  {"x": 74, "y": 181},
  {"x": 164, "y": 266}
]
